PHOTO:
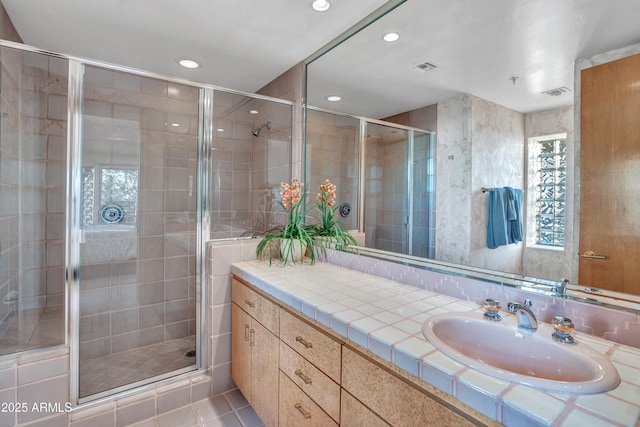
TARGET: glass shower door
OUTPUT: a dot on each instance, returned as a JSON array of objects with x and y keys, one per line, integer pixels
[
  {"x": 33, "y": 119},
  {"x": 386, "y": 205},
  {"x": 138, "y": 230},
  {"x": 423, "y": 196}
]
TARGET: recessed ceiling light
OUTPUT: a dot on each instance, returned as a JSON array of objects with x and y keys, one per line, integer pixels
[
  {"x": 253, "y": 111},
  {"x": 391, "y": 37},
  {"x": 220, "y": 130},
  {"x": 175, "y": 125},
  {"x": 320, "y": 5},
  {"x": 187, "y": 63},
  {"x": 333, "y": 98}
]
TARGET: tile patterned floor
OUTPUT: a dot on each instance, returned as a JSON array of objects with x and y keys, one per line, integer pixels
[
  {"x": 230, "y": 409},
  {"x": 126, "y": 367},
  {"x": 34, "y": 327}
]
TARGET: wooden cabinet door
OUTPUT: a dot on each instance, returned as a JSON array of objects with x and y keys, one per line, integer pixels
[
  {"x": 264, "y": 371},
  {"x": 355, "y": 414},
  {"x": 393, "y": 400},
  {"x": 241, "y": 350}
]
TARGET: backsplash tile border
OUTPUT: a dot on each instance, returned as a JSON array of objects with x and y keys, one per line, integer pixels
[{"x": 602, "y": 322}]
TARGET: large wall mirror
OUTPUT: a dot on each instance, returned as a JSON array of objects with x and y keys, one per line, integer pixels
[{"x": 495, "y": 82}]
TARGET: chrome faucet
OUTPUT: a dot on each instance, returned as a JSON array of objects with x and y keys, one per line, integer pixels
[
  {"x": 526, "y": 318},
  {"x": 560, "y": 288}
]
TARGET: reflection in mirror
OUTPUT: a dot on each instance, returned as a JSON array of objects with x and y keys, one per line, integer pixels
[
  {"x": 486, "y": 98},
  {"x": 332, "y": 152},
  {"x": 398, "y": 190}
]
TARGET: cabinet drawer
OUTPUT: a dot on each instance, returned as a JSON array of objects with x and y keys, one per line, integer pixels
[
  {"x": 297, "y": 409},
  {"x": 394, "y": 400},
  {"x": 355, "y": 414},
  {"x": 317, "y": 347},
  {"x": 258, "y": 307},
  {"x": 322, "y": 389}
]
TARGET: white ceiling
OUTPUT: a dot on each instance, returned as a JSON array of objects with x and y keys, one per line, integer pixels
[
  {"x": 477, "y": 45},
  {"x": 242, "y": 44}
]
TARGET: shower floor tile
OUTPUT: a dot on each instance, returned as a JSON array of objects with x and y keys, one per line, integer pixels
[{"x": 126, "y": 367}]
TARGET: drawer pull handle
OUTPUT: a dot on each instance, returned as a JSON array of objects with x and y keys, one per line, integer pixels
[
  {"x": 252, "y": 340},
  {"x": 305, "y": 343},
  {"x": 299, "y": 407},
  {"x": 304, "y": 378},
  {"x": 250, "y": 304},
  {"x": 246, "y": 331}
]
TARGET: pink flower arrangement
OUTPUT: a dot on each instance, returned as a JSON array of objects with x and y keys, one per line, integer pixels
[
  {"x": 296, "y": 236},
  {"x": 292, "y": 202},
  {"x": 327, "y": 226}
]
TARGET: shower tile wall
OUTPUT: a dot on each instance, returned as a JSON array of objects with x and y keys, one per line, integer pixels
[
  {"x": 290, "y": 86},
  {"x": 270, "y": 164},
  {"x": 9, "y": 186},
  {"x": 138, "y": 276},
  {"x": 332, "y": 153},
  {"x": 247, "y": 170},
  {"x": 230, "y": 165},
  {"x": 32, "y": 189}
]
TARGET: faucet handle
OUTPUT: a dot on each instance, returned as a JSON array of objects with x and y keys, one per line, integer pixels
[
  {"x": 492, "y": 308},
  {"x": 563, "y": 326}
]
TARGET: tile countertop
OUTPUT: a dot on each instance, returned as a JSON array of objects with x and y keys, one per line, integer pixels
[{"x": 386, "y": 317}]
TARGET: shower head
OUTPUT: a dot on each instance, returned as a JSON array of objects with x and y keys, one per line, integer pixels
[{"x": 256, "y": 132}]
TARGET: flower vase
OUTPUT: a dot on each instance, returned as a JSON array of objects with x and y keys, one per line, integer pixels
[{"x": 292, "y": 250}]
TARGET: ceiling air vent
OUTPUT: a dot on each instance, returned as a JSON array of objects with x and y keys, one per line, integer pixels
[
  {"x": 557, "y": 91},
  {"x": 423, "y": 67}
]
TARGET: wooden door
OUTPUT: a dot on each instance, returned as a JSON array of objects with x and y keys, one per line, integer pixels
[
  {"x": 610, "y": 175},
  {"x": 264, "y": 368},
  {"x": 241, "y": 350}
]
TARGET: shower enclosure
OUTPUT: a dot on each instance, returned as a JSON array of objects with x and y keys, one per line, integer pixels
[
  {"x": 112, "y": 181},
  {"x": 33, "y": 118},
  {"x": 385, "y": 168}
]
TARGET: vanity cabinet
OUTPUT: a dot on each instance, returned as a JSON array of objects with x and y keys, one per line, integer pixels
[
  {"x": 394, "y": 400},
  {"x": 255, "y": 350},
  {"x": 296, "y": 372}
]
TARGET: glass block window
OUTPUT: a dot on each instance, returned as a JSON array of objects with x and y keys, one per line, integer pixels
[{"x": 550, "y": 190}]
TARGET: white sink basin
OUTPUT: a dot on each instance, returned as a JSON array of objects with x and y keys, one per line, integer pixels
[{"x": 504, "y": 351}]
